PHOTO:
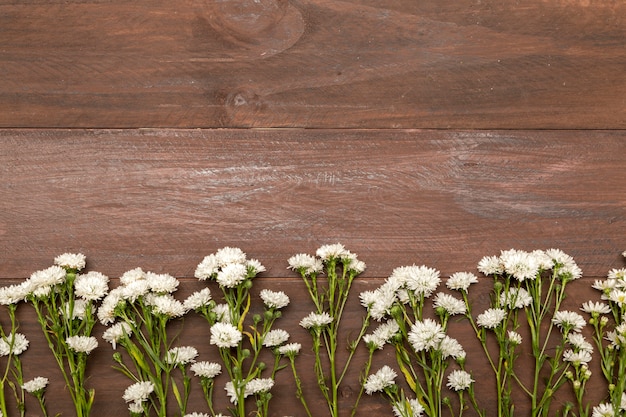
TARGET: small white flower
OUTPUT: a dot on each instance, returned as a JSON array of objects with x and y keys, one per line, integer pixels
[
  {"x": 225, "y": 335},
  {"x": 490, "y": 265},
  {"x": 581, "y": 357},
  {"x": 162, "y": 283},
  {"x": 138, "y": 392},
  {"x": 198, "y": 299},
  {"x": 334, "y": 251},
  {"x": 422, "y": 280},
  {"x": 133, "y": 275},
  {"x": 617, "y": 274},
  {"x": 275, "y": 338},
  {"x": 290, "y": 349},
  {"x": 228, "y": 255},
  {"x": 71, "y": 260},
  {"x": 382, "y": 334},
  {"x": 207, "y": 268},
  {"x": 305, "y": 264},
  {"x": 569, "y": 321},
  {"x": 222, "y": 312},
  {"x": 255, "y": 266},
  {"x": 597, "y": 307},
  {"x": 491, "y": 318},
  {"x": 519, "y": 264},
  {"x": 82, "y": 344},
  {"x": 316, "y": 320},
  {"x": 35, "y": 385},
  {"x": 259, "y": 385},
  {"x": 408, "y": 408},
  {"x": 48, "y": 277},
  {"x": 450, "y": 304},
  {"x": 459, "y": 380},
  {"x": 14, "y": 344},
  {"x": 450, "y": 347},
  {"x": 578, "y": 341},
  {"x": 168, "y": 306},
  {"x": 514, "y": 337},
  {"x": 382, "y": 379},
  {"x": 134, "y": 290},
  {"x": 91, "y": 286},
  {"x": 384, "y": 298},
  {"x": 181, "y": 355},
  {"x": 515, "y": 298},
  {"x": 425, "y": 335},
  {"x": 231, "y": 275},
  {"x": 460, "y": 281},
  {"x": 206, "y": 369},
  {"x": 13, "y": 294},
  {"x": 116, "y": 332},
  {"x": 603, "y": 410},
  {"x": 136, "y": 407},
  {"x": 274, "y": 299}
]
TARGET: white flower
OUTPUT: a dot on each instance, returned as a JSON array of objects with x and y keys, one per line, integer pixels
[
  {"x": 71, "y": 260},
  {"x": 162, "y": 283},
  {"x": 579, "y": 342},
  {"x": 258, "y": 385},
  {"x": 168, "y": 306},
  {"x": 515, "y": 298},
  {"x": 581, "y": 357},
  {"x": 228, "y": 255},
  {"x": 181, "y": 355},
  {"x": 459, "y": 380},
  {"x": 450, "y": 304},
  {"x": 116, "y": 332},
  {"x": 384, "y": 298},
  {"x": 35, "y": 385},
  {"x": 47, "y": 277},
  {"x": 460, "y": 281},
  {"x": 91, "y": 286},
  {"x": 569, "y": 321},
  {"x": 408, "y": 408},
  {"x": 367, "y": 298},
  {"x": 106, "y": 311},
  {"x": 425, "y": 335},
  {"x": 15, "y": 345},
  {"x": 357, "y": 266},
  {"x": 290, "y": 349},
  {"x": 134, "y": 290},
  {"x": 490, "y": 265},
  {"x": 491, "y": 318},
  {"x": 255, "y": 266},
  {"x": 13, "y": 294},
  {"x": 334, "y": 251},
  {"x": 422, "y": 280},
  {"x": 514, "y": 337},
  {"x": 225, "y": 335},
  {"x": 133, "y": 275},
  {"x": 305, "y": 264},
  {"x": 596, "y": 307},
  {"x": 617, "y": 274},
  {"x": 450, "y": 347},
  {"x": 382, "y": 379},
  {"x": 138, "y": 392},
  {"x": 275, "y": 338},
  {"x": 82, "y": 344},
  {"x": 206, "y": 369},
  {"x": 382, "y": 334},
  {"x": 198, "y": 299},
  {"x": 603, "y": 410},
  {"x": 79, "y": 309},
  {"x": 136, "y": 407},
  {"x": 617, "y": 296},
  {"x": 207, "y": 268},
  {"x": 222, "y": 312},
  {"x": 274, "y": 299},
  {"x": 231, "y": 275},
  {"x": 519, "y": 264},
  {"x": 316, "y": 320}
]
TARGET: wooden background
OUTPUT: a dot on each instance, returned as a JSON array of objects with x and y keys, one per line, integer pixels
[{"x": 151, "y": 133}]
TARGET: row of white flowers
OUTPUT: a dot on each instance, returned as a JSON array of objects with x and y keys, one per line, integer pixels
[{"x": 526, "y": 298}]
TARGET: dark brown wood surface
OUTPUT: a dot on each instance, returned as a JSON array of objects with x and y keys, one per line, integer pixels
[
  {"x": 245, "y": 63},
  {"x": 151, "y": 133}
]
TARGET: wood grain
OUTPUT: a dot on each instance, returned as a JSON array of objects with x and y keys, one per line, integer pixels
[
  {"x": 324, "y": 64},
  {"x": 163, "y": 199}
]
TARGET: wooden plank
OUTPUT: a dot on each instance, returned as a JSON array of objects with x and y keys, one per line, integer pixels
[
  {"x": 318, "y": 63},
  {"x": 163, "y": 199}
]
